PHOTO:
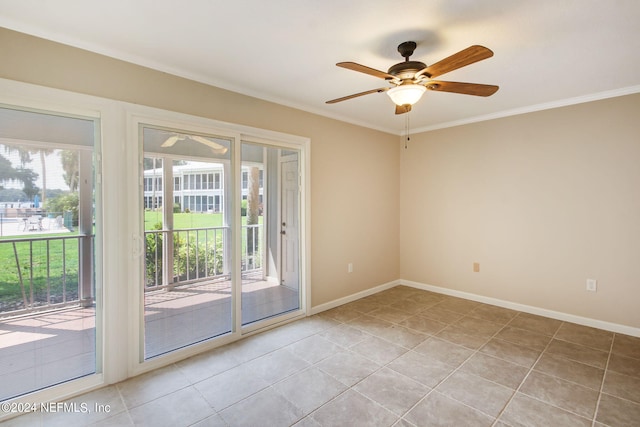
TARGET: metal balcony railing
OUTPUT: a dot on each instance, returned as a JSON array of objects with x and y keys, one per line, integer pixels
[
  {"x": 198, "y": 254},
  {"x": 251, "y": 248},
  {"x": 41, "y": 273}
]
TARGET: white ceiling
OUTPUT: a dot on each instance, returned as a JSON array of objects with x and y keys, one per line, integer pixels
[{"x": 547, "y": 52}]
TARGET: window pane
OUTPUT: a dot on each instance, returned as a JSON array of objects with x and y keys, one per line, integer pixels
[
  {"x": 47, "y": 288},
  {"x": 270, "y": 248},
  {"x": 187, "y": 286}
]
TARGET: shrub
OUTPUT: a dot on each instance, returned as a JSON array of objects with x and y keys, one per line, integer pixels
[{"x": 63, "y": 203}]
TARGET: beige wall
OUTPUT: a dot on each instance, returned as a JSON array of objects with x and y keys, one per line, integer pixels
[
  {"x": 354, "y": 171},
  {"x": 542, "y": 201}
]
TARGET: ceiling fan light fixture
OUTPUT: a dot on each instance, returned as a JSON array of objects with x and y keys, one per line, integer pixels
[{"x": 407, "y": 94}]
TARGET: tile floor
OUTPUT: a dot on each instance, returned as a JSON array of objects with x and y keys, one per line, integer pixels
[{"x": 402, "y": 357}]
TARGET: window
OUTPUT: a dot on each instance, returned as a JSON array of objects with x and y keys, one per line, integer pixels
[
  {"x": 47, "y": 249},
  {"x": 187, "y": 250}
]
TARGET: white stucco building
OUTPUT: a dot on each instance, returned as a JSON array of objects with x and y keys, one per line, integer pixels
[{"x": 197, "y": 186}]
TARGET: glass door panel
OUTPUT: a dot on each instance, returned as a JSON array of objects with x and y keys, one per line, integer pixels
[
  {"x": 47, "y": 233},
  {"x": 270, "y": 213},
  {"x": 187, "y": 283}
]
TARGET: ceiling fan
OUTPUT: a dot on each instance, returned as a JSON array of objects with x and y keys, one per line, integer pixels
[
  {"x": 214, "y": 146},
  {"x": 412, "y": 78}
]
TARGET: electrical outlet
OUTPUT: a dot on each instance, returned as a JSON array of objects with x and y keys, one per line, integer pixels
[
  {"x": 592, "y": 285},
  {"x": 350, "y": 267},
  {"x": 476, "y": 267}
]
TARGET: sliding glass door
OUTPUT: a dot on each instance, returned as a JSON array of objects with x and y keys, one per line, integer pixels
[
  {"x": 186, "y": 200},
  {"x": 49, "y": 295},
  {"x": 270, "y": 232},
  {"x": 221, "y": 236}
]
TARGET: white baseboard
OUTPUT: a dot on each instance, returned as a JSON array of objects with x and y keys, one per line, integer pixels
[
  {"x": 585, "y": 321},
  {"x": 353, "y": 297}
]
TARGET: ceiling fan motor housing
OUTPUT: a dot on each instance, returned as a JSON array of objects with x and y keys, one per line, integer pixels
[{"x": 407, "y": 69}]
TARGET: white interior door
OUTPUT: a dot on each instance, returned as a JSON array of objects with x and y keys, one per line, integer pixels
[{"x": 290, "y": 225}]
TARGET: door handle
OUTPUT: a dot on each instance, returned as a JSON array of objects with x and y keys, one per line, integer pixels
[{"x": 283, "y": 232}]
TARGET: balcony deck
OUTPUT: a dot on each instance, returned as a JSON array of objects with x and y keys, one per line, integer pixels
[{"x": 42, "y": 349}]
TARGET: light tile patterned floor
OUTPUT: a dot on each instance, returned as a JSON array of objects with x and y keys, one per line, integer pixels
[{"x": 402, "y": 357}]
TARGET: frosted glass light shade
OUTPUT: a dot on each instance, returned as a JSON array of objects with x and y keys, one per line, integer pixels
[{"x": 406, "y": 94}]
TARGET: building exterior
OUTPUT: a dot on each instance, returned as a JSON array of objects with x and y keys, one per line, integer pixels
[{"x": 197, "y": 187}]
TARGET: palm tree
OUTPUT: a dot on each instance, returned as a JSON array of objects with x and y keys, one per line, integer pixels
[
  {"x": 43, "y": 153},
  {"x": 69, "y": 160},
  {"x": 253, "y": 210},
  {"x": 25, "y": 157}
]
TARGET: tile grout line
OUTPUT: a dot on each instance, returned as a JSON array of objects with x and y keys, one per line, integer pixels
[
  {"x": 271, "y": 384},
  {"x": 532, "y": 369},
  {"x": 527, "y": 375},
  {"x": 474, "y": 352},
  {"x": 124, "y": 405},
  {"x": 313, "y": 365},
  {"x": 430, "y": 336},
  {"x": 382, "y": 366},
  {"x": 604, "y": 377}
]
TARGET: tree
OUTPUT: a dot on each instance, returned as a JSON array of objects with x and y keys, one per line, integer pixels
[
  {"x": 12, "y": 195},
  {"x": 70, "y": 165},
  {"x": 7, "y": 171},
  {"x": 65, "y": 202},
  {"x": 43, "y": 153},
  {"x": 28, "y": 177},
  {"x": 253, "y": 209},
  {"x": 25, "y": 157}
]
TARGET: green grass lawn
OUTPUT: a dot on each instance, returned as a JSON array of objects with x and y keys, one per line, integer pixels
[
  {"x": 60, "y": 265},
  {"x": 185, "y": 220},
  {"x": 188, "y": 220}
]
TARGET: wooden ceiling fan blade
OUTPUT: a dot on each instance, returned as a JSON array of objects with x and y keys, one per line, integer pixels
[
  {"x": 217, "y": 148},
  {"x": 355, "y": 95},
  {"x": 171, "y": 141},
  {"x": 461, "y": 59},
  {"x": 367, "y": 70},
  {"x": 463, "y": 88},
  {"x": 401, "y": 109}
]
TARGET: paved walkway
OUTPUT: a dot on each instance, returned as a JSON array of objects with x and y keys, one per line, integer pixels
[{"x": 19, "y": 227}]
